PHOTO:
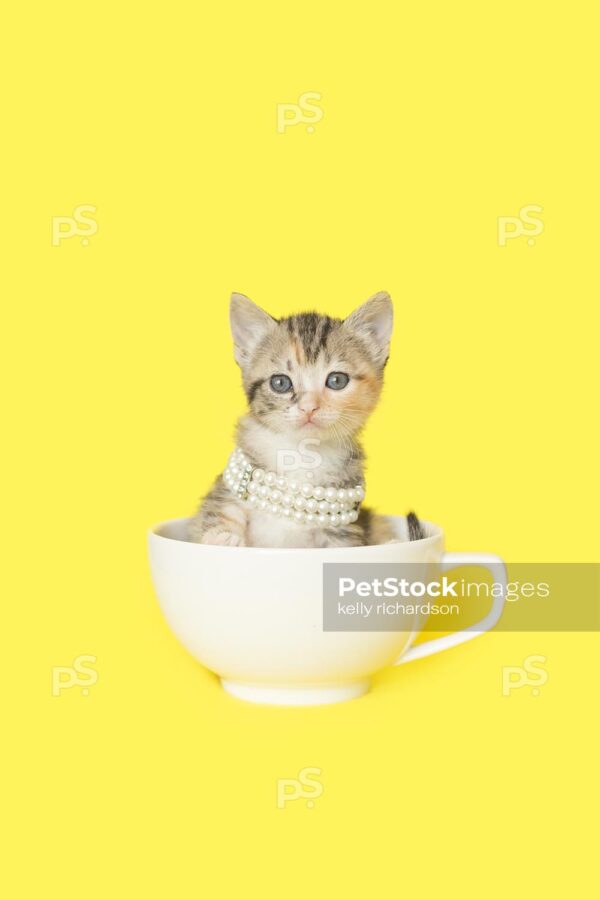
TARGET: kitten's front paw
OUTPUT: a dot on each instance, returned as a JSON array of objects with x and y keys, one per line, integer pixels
[{"x": 223, "y": 538}]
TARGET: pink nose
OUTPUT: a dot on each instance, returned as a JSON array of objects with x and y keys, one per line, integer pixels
[{"x": 308, "y": 405}]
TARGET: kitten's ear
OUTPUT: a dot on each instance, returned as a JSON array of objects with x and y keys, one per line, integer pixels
[
  {"x": 374, "y": 321},
  {"x": 249, "y": 324}
]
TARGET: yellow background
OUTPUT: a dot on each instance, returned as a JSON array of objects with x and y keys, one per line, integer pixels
[{"x": 121, "y": 394}]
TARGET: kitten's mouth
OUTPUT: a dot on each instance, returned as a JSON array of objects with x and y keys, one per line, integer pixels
[{"x": 309, "y": 423}]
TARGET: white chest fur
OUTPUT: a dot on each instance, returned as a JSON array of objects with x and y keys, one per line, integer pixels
[
  {"x": 334, "y": 475},
  {"x": 265, "y": 530}
]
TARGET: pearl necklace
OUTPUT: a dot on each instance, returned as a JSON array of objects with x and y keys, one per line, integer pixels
[{"x": 300, "y": 501}]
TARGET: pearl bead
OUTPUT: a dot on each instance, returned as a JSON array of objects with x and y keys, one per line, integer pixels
[
  {"x": 300, "y": 502},
  {"x": 287, "y": 512},
  {"x": 281, "y": 483},
  {"x": 318, "y": 492},
  {"x": 263, "y": 491},
  {"x": 324, "y": 506},
  {"x": 345, "y": 518},
  {"x": 275, "y": 510},
  {"x": 294, "y": 486},
  {"x": 307, "y": 490},
  {"x": 287, "y": 500},
  {"x": 275, "y": 496},
  {"x": 253, "y": 499},
  {"x": 299, "y": 516},
  {"x": 322, "y": 520},
  {"x": 312, "y": 505},
  {"x": 342, "y": 495},
  {"x": 310, "y": 518},
  {"x": 351, "y": 495},
  {"x": 263, "y": 505},
  {"x": 353, "y": 515},
  {"x": 252, "y": 487},
  {"x": 359, "y": 493},
  {"x": 258, "y": 474},
  {"x": 330, "y": 493},
  {"x": 334, "y": 520},
  {"x": 334, "y": 506},
  {"x": 270, "y": 479},
  {"x": 234, "y": 470}
]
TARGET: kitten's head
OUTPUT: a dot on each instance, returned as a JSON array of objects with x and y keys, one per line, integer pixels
[{"x": 311, "y": 374}]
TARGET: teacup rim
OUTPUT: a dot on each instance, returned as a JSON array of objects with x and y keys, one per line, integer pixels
[{"x": 437, "y": 533}]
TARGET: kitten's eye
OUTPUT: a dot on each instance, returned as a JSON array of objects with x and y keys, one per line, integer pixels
[
  {"x": 281, "y": 384},
  {"x": 337, "y": 381}
]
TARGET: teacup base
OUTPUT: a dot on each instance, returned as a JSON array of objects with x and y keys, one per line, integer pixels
[{"x": 300, "y": 695}]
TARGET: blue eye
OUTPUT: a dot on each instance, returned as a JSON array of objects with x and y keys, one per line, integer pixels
[
  {"x": 281, "y": 384},
  {"x": 337, "y": 381}
]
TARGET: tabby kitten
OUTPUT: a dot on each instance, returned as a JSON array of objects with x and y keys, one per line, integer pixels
[{"x": 311, "y": 383}]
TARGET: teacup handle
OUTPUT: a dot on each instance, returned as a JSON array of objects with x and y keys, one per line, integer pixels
[{"x": 450, "y": 561}]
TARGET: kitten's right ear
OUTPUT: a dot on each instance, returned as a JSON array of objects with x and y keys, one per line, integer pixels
[
  {"x": 374, "y": 321},
  {"x": 249, "y": 324}
]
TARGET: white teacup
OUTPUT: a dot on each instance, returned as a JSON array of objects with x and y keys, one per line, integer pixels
[{"x": 254, "y": 615}]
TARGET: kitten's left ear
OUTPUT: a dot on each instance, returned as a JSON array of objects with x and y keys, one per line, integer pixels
[
  {"x": 249, "y": 324},
  {"x": 374, "y": 321}
]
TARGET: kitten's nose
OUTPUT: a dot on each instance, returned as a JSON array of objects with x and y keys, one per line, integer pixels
[{"x": 308, "y": 404}]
